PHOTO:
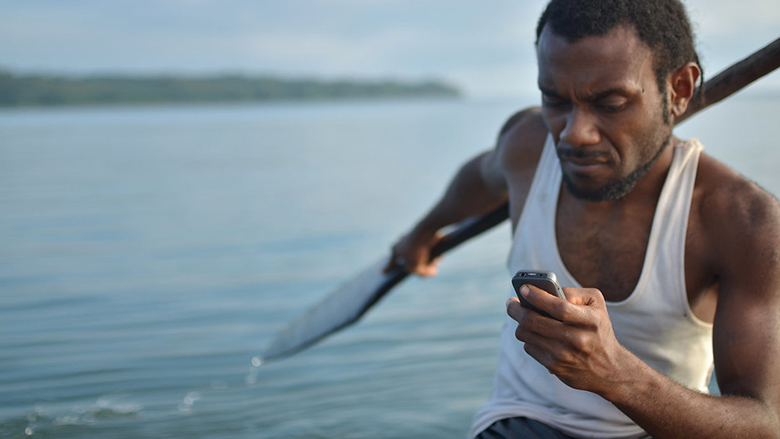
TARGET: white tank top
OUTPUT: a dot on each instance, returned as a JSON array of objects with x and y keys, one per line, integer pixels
[{"x": 655, "y": 322}]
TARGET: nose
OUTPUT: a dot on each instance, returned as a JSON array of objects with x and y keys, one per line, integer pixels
[{"x": 580, "y": 129}]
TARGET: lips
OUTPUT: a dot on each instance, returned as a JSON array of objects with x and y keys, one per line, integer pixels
[{"x": 583, "y": 162}]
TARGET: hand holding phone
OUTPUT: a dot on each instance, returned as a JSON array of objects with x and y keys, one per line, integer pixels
[{"x": 545, "y": 280}]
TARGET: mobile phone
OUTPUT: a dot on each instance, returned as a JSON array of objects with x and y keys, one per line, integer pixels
[{"x": 545, "y": 280}]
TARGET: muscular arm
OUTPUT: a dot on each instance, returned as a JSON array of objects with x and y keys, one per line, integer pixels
[
  {"x": 741, "y": 225},
  {"x": 743, "y": 228},
  {"x": 479, "y": 186}
]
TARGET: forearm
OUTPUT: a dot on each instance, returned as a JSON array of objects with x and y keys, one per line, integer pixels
[
  {"x": 666, "y": 409},
  {"x": 467, "y": 195},
  {"x": 579, "y": 347}
]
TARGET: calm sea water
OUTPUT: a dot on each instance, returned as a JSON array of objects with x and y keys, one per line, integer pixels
[{"x": 150, "y": 253}]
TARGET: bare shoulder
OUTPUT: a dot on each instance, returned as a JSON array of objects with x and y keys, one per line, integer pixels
[
  {"x": 518, "y": 147},
  {"x": 521, "y": 140},
  {"x": 735, "y": 213},
  {"x": 511, "y": 165},
  {"x": 741, "y": 224}
]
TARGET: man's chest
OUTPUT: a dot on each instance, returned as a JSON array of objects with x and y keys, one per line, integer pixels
[{"x": 604, "y": 251}]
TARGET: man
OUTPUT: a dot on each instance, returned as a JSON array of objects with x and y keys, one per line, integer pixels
[{"x": 670, "y": 260}]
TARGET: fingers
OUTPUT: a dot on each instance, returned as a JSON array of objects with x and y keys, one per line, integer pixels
[
  {"x": 578, "y": 344},
  {"x": 412, "y": 254},
  {"x": 532, "y": 330},
  {"x": 415, "y": 264},
  {"x": 421, "y": 268},
  {"x": 572, "y": 328},
  {"x": 427, "y": 270},
  {"x": 530, "y": 323},
  {"x": 576, "y": 309},
  {"x": 583, "y": 308},
  {"x": 543, "y": 301},
  {"x": 584, "y": 296},
  {"x": 514, "y": 308}
]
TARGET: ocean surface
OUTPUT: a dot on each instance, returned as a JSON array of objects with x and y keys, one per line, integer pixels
[{"x": 150, "y": 254}]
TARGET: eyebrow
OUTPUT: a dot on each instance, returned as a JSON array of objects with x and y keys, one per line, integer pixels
[{"x": 594, "y": 97}]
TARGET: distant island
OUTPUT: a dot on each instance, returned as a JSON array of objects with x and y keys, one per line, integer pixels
[{"x": 48, "y": 90}]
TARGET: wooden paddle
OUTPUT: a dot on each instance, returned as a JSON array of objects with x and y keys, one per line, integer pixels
[{"x": 348, "y": 303}]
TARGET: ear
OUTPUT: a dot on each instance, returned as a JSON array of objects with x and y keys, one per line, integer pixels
[{"x": 682, "y": 86}]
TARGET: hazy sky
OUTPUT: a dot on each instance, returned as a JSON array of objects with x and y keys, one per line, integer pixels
[{"x": 486, "y": 47}]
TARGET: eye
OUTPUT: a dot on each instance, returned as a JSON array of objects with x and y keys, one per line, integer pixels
[
  {"x": 552, "y": 101},
  {"x": 610, "y": 108},
  {"x": 611, "y": 105}
]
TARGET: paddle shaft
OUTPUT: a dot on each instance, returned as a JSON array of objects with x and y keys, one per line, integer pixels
[
  {"x": 735, "y": 78},
  {"x": 726, "y": 83}
]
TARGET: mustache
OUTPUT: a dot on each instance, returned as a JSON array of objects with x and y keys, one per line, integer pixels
[{"x": 576, "y": 153}]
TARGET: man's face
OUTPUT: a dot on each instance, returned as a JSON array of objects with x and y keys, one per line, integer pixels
[{"x": 600, "y": 101}]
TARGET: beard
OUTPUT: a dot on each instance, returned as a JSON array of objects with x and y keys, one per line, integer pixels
[
  {"x": 619, "y": 188},
  {"x": 616, "y": 189}
]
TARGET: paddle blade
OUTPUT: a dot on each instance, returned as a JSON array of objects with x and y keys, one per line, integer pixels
[
  {"x": 340, "y": 308},
  {"x": 347, "y": 304}
]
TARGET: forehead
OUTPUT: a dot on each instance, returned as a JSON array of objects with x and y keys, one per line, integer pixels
[{"x": 591, "y": 64}]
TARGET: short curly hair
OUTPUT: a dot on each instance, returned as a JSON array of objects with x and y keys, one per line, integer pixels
[{"x": 661, "y": 24}]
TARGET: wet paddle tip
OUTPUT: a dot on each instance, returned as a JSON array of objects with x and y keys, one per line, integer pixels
[{"x": 275, "y": 353}]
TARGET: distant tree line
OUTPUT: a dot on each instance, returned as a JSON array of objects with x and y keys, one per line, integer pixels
[{"x": 36, "y": 90}]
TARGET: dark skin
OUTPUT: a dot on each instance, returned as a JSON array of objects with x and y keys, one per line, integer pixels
[{"x": 600, "y": 97}]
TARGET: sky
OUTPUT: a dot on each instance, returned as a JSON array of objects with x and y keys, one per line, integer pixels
[{"x": 483, "y": 47}]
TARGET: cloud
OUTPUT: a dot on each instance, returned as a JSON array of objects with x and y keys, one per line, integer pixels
[
  {"x": 485, "y": 46},
  {"x": 727, "y": 17}
]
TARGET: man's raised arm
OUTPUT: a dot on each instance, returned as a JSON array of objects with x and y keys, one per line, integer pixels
[{"x": 479, "y": 187}]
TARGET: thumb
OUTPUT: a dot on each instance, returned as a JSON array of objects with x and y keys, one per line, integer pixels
[{"x": 428, "y": 269}]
